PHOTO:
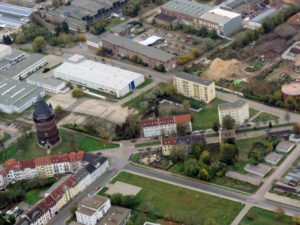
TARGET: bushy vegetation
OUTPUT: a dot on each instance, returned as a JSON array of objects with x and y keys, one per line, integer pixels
[
  {"x": 78, "y": 93},
  {"x": 16, "y": 192}
]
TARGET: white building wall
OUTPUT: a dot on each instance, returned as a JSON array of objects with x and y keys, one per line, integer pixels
[{"x": 232, "y": 26}]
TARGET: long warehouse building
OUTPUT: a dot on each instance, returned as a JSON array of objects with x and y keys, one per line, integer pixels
[
  {"x": 98, "y": 76},
  {"x": 150, "y": 55}
]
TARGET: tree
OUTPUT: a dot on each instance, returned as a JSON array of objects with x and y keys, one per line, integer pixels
[
  {"x": 203, "y": 174},
  {"x": 73, "y": 210},
  {"x": 228, "y": 153},
  {"x": 116, "y": 199},
  {"x": 251, "y": 216},
  {"x": 191, "y": 167},
  {"x": 296, "y": 220},
  {"x": 11, "y": 219},
  {"x": 132, "y": 9},
  {"x": 279, "y": 212},
  {"x": 170, "y": 90},
  {"x": 179, "y": 153},
  {"x": 196, "y": 52},
  {"x": 65, "y": 27},
  {"x": 213, "y": 34},
  {"x": 160, "y": 68},
  {"x": 182, "y": 129},
  {"x": 216, "y": 126},
  {"x": 186, "y": 106},
  {"x": 270, "y": 124},
  {"x": 78, "y": 93},
  {"x": 39, "y": 44},
  {"x": 228, "y": 122},
  {"x": 7, "y": 40},
  {"x": 296, "y": 128},
  {"x": 58, "y": 111},
  {"x": 205, "y": 157},
  {"x": 287, "y": 117}
]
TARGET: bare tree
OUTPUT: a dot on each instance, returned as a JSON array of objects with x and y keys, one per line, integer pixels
[{"x": 287, "y": 117}]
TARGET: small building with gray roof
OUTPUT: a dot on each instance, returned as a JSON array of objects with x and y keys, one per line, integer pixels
[
  {"x": 122, "y": 29},
  {"x": 16, "y": 96},
  {"x": 238, "y": 110},
  {"x": 49, "y": 84},
  {"x": 127, "y": 48}
]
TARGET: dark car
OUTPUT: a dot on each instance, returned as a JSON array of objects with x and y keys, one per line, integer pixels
[
  {"x": 133, "y": 141},
  {"x": 148, "y": 149}
]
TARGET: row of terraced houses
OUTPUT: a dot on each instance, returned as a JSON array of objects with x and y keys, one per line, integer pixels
[{"x": 81, "y": 168}]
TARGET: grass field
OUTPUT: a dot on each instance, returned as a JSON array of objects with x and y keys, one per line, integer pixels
[
  {"x": 31, "y": 150},
  {"x": 145, "y": 144},
  {"x": 252, "y": 112},
  {"x": 245, "y": 145},
  {"x": 263, "y": 117},
  {"x": 5, "y": 138},
  {"x": 181, "y": 204},
  {"x": 32, "y": 197},
  {"x": 205, "y": 118},
  {"x": 265, "y": 217},
  {"x": 147, "y": 82}
]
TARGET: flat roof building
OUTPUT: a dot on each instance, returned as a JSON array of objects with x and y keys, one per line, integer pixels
[
  {"x": 48, "y": 83},
  {"x": 122, "y": 29},
  {"x": 4, "y": 50},
  {"x": 128, "y": 48},
  {"x": 194, "y": 87},
  {"x": 116, "y": 216},
  {"x": 256, "y": 21},
  {"x": 16, "y": 96},
  {"x": 27, "y": 66},
  {"x": 98, "y": 76},
  {"x": 238, "y": 110}
]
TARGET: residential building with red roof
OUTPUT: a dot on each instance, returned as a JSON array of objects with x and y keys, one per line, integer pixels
[
  {"x": 48, "y": 205},
  {"x": 165, "y": 126}
]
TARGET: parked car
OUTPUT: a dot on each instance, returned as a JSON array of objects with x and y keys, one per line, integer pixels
[
  {"x": 148, "y": 149},
  {"x": 133, "y": 141},
  {"x": 98, "y": 187}
]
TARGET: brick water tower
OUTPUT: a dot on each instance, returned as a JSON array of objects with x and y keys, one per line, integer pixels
[{"x": 44, "y": 119}]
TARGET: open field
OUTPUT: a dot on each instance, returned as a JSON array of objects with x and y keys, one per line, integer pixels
[
  {"x": 34, "y": 196},
  {"x": 205, "y": 118},
  {"x": 264, "y": 117},
  {"x": 245, "y": 146},
  {"x": 252, "y": 112},
  {"x": 181, "y": 204},
  {"x": 266, "y": 217},
  {"x": 70, "y": 142}
]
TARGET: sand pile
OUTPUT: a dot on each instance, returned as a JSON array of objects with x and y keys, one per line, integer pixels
[{"x": 229, "y": 69}]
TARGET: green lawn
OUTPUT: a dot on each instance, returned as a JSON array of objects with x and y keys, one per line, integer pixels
[
  {"x": 135, "y": 157},
  {"x": 5, "y": 138},
  {"x": 263, "y": 117},
  {"x": 245, "y": 145},
  {"x": 31, "y": 150},
  {"x": 33, "y": 196},
  {"x": 205, "y": 118},
  {"x": 147, "y": 82},
  {"x": 253, "y": 112},
  {"x": 178, "y": 168},
  {"x": 145, "y": 144},
  {"x": 181, "y": 204},
  {"x": 265, "y": 217}
]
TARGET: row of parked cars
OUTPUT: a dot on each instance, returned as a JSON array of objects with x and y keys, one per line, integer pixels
[
  {"x": 16, "y": 212},
  {"x": 10, "y": 125}
]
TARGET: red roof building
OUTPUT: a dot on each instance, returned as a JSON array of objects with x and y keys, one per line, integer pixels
[
  {"x": 27, "y": 164},
  {"x": 47, "y": 203},
  {"x": 11, "y": 164},
  {"x": 169, "y": 141},
  {"x": 167, "y": 120},
  {"x": 46, "y": 160}
]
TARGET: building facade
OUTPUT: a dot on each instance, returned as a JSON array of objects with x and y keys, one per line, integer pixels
[
  {"x": 122, "y": 29},
  {"x": 166, "y": 126},
  {"x": 194, "y": 87},
  {"x": 167, "y": 144},
  {"x": 239, "y": 111},
  {"x": 124, "y": 47},
  {"x": 49, "y": 84}
]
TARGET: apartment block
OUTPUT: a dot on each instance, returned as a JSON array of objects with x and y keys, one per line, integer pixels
[
  {"x": 166, "y": 126},
  {"x": 168, "y": 143},
  {"x": 238, "y": 110},
  {"x": 194, "y": 87}
]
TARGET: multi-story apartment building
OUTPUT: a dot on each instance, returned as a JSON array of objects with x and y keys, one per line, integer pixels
[
  {"x": 194, "y": 87},
  {"x": 19, "y": 170},
  {"x": 44, "y": 167},
  {"x": 166, "y": 126},
  {"x": 62, "y": 192},
  {"x": 238, "y": 110},
  {"x": 91, "y": 210},
  {"x": 126, "y": 48},
  {"x": 168, "y": 143}
]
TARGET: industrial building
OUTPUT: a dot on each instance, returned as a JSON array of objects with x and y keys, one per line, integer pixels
[
  {"x": 16, "y": 96},
  {"x": 225, "y": 22},
  {"x": 122, "y": 29},
  {"x": 9, "y": 57},
  {"x": 80, "y": 13},
  {"x": 187, "y": 12},
  {"x": 26, "y": 67},
  {"x": 127, "y": 48},
  {"x": 94, "y": 42},
  {"x": 238, "y": 110},
  {"x": 166, "y": 20},
  {"x": 4, "y": 50},
  {"x": 13, "y": 16},
  {"x": 49, "y": 84},
  {"x": 98, "y": 76},
  {"x": 256, "y": 21},
  {"x": 194, "y": 87}
]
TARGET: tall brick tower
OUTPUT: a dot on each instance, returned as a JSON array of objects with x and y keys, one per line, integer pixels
[{"x": 44, "y": 119}]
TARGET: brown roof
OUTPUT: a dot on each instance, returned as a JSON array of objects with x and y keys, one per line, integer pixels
[
  {"x": 43, "y": 161},
  {"x": 294, "y": 20},
  {"x": 11, "y": 164},
  {"x": 27, "y": 164},
  {"x": 183, "y": 118},
  {"x": 47, "y": 203},
  {"x": 169, "y": 141},
  {"x": 166, "y": 120}
]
